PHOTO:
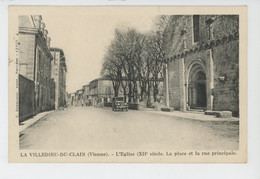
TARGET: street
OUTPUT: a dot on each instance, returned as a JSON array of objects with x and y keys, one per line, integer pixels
[{"x": 93, "y": 128}]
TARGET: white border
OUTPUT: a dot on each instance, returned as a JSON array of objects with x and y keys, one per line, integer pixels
[{"x": 238, "y": 171}]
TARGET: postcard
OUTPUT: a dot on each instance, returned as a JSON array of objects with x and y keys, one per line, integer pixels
[{"x": 128, "y": 84}]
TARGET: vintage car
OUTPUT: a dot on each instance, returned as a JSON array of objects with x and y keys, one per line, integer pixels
[{"x": 118, "y": 103}]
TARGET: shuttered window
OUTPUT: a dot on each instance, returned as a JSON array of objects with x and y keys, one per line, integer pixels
[{"x": 196, "y": 29}]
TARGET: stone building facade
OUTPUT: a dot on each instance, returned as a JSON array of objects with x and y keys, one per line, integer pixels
[
  {"x": 98, "y": 91},
  {"x": 35, "y": 61},
  {"x": 202, "y": 53},
  {"x": 58, "y": 73}
]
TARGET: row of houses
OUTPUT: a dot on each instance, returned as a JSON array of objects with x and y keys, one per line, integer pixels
[
  {"x": 42, "y": 69},
  {"x": 98, "y": 93}
]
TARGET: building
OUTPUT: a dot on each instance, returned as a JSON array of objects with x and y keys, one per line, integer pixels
[
  {"x": 58, "y": 73},
  {"x": 71, "y": 99},
  {"x": 202, "y": 62},
  {"x": 86, "y": 95},
  {"x": 34, "y": 67},
  {"x": 100, "y": 91},
  {"x": 79, "y": 101}
]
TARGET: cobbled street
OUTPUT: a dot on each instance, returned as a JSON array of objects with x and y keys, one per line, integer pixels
[{"x": 93, "y": 128}]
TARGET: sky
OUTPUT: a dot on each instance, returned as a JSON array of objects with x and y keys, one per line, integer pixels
[{"x": 84, "y": 34}]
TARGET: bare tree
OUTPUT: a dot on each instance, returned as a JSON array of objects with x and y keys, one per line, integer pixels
[
  {"x": 127, "y": 48},
  {"x": 161, "y": 22},
  {"x": 113, "y": 71},
  {"x": 159, "y": 46},
  {"x": 158, "y": 54},
  {"x": 134, "y": 59}
]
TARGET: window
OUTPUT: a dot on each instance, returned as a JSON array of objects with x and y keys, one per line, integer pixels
[{"x": 196, "y": 29}]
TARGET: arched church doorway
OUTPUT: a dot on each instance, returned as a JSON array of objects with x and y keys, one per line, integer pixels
[{"x": 197, "y": 89}]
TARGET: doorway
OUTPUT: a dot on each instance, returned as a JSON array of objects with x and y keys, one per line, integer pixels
[
  {"x": 197, "y": 89},
  {"x": 200, "y": 84}
]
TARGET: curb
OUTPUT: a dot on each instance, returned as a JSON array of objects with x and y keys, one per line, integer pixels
[
  {"x": 196, "y": 117},
  {"x": 27, "y": 123}
]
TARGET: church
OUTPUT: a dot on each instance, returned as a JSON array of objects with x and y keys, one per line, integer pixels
[{"x": 202, "y": 66}]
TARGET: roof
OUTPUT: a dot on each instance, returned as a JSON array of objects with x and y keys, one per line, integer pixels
[
  {"x": 59, "y": 50},
  {"x": 99, "y": 79},
  {"x": 85, "y": 85},
  {"x": 56, "y": 49}
]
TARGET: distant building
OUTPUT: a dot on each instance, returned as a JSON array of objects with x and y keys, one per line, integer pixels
[
  {"x": 59, "y": 71},
  {"x": 86, "y": 95},
  {"x": 100, "y": 91},
  {"x": 79, "y": 101},
  {"x": 34, "y": 66},
  {"x": 71, "y": 101},
  {"x": 203, "y": 62}
]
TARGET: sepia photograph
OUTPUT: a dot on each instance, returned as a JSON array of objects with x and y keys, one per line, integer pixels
[{"x": 127, "y": 84}]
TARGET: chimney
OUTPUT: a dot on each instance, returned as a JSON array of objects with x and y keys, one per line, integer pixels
[
  {"x": 48, "y": 42},
  {"x": 45, "y": 33},
  {"x": 37, "y": 20},
  {"x": 42, "y": 26}
]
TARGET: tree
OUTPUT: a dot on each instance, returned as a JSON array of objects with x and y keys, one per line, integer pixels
[
  {"x": 127, "y": 48},
  {"x": 161, "y": 23},
  {"x": 113, "y": 71},
  {"x": 134, "y": 59}
]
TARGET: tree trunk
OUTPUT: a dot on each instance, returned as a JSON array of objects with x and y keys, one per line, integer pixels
[
  {"x": 124, "y": 89},
  {"x": 130, "y": 92},
  {"x": 155, "y": 92},
  {"x": 116, "y": 88},
  {"x": 148, "y": 104},
  {"x": 116, "y": 92},
  {"x": 135, "y": 92},
  {"x": 149, "y": 95}
]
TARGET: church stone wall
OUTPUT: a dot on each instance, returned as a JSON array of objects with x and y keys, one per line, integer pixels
[{"x": 218, "y": 54}]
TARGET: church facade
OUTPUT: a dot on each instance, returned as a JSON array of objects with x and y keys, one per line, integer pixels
[{"x": 202, "y": 68}]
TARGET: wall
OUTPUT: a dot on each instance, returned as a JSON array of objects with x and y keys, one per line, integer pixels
[
  {"x": 226, "y": 93},
  {"x": 223, "y": 25},
  {"x": 43, "y": 76},
  {"x": 52, "y": 93},
  {"x": 172, "y": 35},
  {"x": 58, "y": 73},
  {"x": 26, "y": 98},
  {"x": 221, "y": 51},
  {"x": 27, "y": 55},
  {"x": 105, "y": 88},
  {"x": 55, "y": 65},
  {"x": 174, "y": 87}
]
